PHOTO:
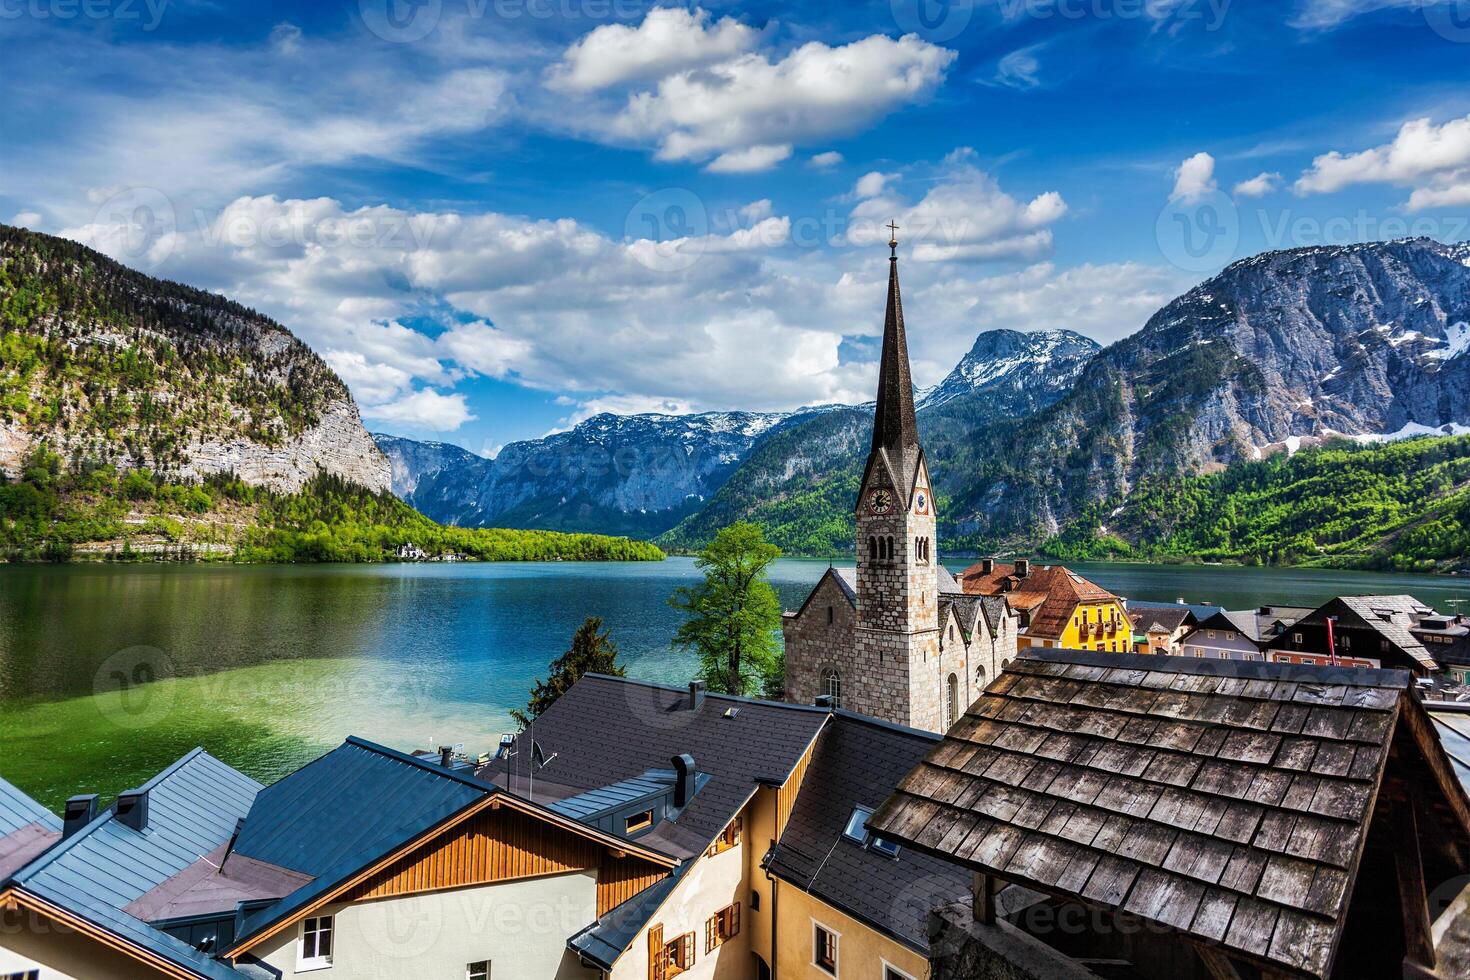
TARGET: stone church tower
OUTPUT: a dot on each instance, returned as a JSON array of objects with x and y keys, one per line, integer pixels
[{"x": 897, "y": 630}]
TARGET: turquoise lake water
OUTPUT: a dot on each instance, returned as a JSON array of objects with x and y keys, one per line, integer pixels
[{"x": 107, "y": 673}]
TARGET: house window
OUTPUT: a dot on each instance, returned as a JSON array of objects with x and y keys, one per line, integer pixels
[
  {"x": 721, "y": 927},
  {"x": 891, "y": 972},
  {"x": 755, "y": 900},
  {"x": 824, "y": 948},
  {"x": 728, "y": 838},
  {"x": 857, "y": 824},
  {"x": 883, "y": 846},
  {"x": 1347, "y": 642},
  {"x": 679, "y": 955},
  {"x": 834, "y": 687},
  {"x": 637, "y": 822},
  {"x": 22, "y": 975},
  {"x": 951, "y": 701},
  {"x": 479, "y": 970},
  {"x": 314, "y": 949},
  {"x": 1296, "y": 638}
]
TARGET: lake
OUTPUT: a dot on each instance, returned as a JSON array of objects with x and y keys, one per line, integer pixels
[{"x": 108, "y": 673}]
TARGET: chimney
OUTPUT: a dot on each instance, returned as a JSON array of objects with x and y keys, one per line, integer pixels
[
  {"x": 446, "y": 756},
  {"x": 696, "y": 695},
  {"x": 823, "y": 701},
  {"x": 684, "y": 773},
  {"x": 1023, "y": 567},
  {"x": 987, "y": 565},
  {"x": 80, "y": 810},
  {"x": 131, "y": 809}
]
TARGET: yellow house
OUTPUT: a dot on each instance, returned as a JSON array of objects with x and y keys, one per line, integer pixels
[{"x": 1056, "y": 606}]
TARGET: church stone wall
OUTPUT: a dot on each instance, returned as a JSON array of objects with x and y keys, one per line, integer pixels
[{"x": 813, "y": 644}]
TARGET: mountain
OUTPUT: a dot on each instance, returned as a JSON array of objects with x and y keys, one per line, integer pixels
[
  {"x": 1403, "y": 505},
  {"x": 1026, "y": 370},
  {"x": 634, "y": 474},
  {"x": 1277, "y": 350},
  {"x": 800, "y": 484},
  {"x": 412, "y": 460},
  {"x": 108, "y": 366}
]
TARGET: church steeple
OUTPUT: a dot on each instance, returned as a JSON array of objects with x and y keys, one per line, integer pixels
[{"x": 894, "y": 427}]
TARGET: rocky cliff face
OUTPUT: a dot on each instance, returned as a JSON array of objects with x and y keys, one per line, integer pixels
[
  {"x": 1021, "y": 370},
  {"x": 637, "y": 474},
  {"x": 1365, "y": 340},
  {"x": 412, "y": 460},
  {"x": 106, "y": 365}
]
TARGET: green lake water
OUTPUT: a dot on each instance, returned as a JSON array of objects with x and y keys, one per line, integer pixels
[{"x": 108, "y": 673}]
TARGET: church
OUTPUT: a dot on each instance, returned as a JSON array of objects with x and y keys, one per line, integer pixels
[{"x": 896, "y": 637}]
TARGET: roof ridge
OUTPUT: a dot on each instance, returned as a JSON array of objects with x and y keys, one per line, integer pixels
[
  {"x": 893, "y": 726},
  {"x": 742, "y": 698},
  {"x": 427, "y": 766},
  {"x": 1380, "y": 677}
]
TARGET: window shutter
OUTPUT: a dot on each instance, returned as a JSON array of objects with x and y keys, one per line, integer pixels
[
  {"x": 735, "y": 919},
  {"x": 709, "y": 934},
  {"x": 688, "y": 940},
  {"x": 657, "y": 965}
]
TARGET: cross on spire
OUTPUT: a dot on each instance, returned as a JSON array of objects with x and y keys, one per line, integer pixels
[{"x": 893, "y": 237}]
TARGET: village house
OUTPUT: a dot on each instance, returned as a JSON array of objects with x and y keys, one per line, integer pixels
[
  {"x": 1055, "y": 606},
  {"x": 1182, "y": 818},
  {"x": 1160, "y": 629},
  {"x": 1447, "y": 638},
  {"x": 1239, "y": 635},
  {"x": 1364, "y": 631},
  {"x": 896, "y": 637}
]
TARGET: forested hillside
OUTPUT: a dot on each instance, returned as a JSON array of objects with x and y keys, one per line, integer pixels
[
  {"x": 1401, "y": 505},
  {"x": 57, "y": 513}
]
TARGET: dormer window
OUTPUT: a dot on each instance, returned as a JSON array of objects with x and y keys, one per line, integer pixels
[{"x": 638, "y": 821}]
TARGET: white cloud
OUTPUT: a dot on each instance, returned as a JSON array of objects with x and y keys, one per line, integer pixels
[
  {"x": 752, "y": 159},
  {"x": 26, "y": 219},
  {"x": 871, "y": 184},
  {"x": 757, "y": 210},
  {"x": 826, "y": 160},
  {"x": 814, "y": 93},
  {"x": 1327, "y": 14},
  {"x": 1258, "y": 186},
  {"x": 965, "y": 216},
  {"x": 1020, "y": 69},
  {"x": 668, "y": 40},
  {"x": 424, "y": 409},
  {"x": 1433, "y": 160},
  {"x": 480, "y": 348},
  {"x": 286, "y": 39},
  {"x": 1194, "y": 178}
]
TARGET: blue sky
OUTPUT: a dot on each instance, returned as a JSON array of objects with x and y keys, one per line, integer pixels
[{"x": 497, "y": 217}]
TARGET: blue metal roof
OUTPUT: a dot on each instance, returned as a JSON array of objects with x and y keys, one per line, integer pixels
[
  {"x": 338, "y": 814},
  {"x": 193, "y": 807},
  {"x": 18, "y": 810},
  {"x": 351, "y": 805}
]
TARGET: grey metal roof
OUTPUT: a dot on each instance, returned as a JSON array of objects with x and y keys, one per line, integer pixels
[
  {"x": 1452, "y": 723},
  {"x": 860, "y": 761},
  {"x": 193, "y": 807},
  {"x": 947, "y": 583},
  {"x": 18, "y": 810},
  {"x": 603, "y": 798}
]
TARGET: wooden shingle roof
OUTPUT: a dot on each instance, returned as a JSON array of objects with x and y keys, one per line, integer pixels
[{"x": 1226, "y": 800}]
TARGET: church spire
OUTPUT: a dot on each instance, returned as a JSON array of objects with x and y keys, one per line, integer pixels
[{"x": 894, "y": 427}]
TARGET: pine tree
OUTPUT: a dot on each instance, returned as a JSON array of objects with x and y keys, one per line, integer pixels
[{"x": 592, "y": 652}]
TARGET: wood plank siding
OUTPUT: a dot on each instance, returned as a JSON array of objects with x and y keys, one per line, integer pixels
[
  {"x": 786, "y": 795},
  {"x": 499, "y": 844},
  {"x": 620, "y": 878}
]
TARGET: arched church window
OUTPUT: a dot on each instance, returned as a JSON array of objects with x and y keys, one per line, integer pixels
[
  {"x": 831, "y": 615},
  {"x": 980, "y": 677},
  {"x": 951, "y": 701},
  {"x": 834, "y": 686},
  {"x": 888, "y": 547},
  {"x": 1005, "y": 665},
  {"x": 872, "y": 549}
]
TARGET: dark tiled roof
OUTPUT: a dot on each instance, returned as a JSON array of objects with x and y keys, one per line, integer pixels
[
  {"x": 608, "y": 729},
  {"x": 860, "y": 760},
  {"x": 1223, "y": 799},
  {"x": 215, "y": 883},
  {"x": 1165, "y": 619}
]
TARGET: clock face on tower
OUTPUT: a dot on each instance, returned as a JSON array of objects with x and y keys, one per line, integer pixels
[
  {"x": 880, "y": 501},
  {"x": 921, "y": 502}
]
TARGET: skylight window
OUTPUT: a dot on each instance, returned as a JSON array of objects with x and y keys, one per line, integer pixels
[
  {"x": 857, "y": 824},
  {"x": 884, "y": 846}
]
